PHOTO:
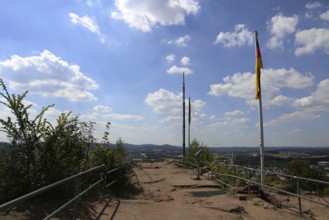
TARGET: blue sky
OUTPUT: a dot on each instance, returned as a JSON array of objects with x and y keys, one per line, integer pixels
[{"x": 122, "y": 61}]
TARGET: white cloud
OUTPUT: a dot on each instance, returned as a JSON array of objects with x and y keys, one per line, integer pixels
[
  {"x": 295, "y": 131},
  {"x": 279, "y": 100},
  {"x": 213, "y": 118},
  {"x": 168, "y": 103},
  {"x": 280, "y": 26},
  {"x": 325, "y": 16},
  {"x": 125, "y": 117},
  {"x": 92, "y": 117},
  {"x": 233, "y": 113},
  {"x": 229, "y": 122},
  {"x": 172, "y": 119},
  {"x": 102, "y": 108},
  {"x": 312, "y": 5},
  {"x": 164, "y": 102},
  {"x": 180, "y": 41},
  {"x": 308, "y": 41},
  {"x": 241, "y": 36},
  {"x": 53, "y": 112},
  {"x": 48, "y": 75},
  {"x": 308, "y": 15},
  {"x": 185, "y": 61},
  {"x": 88, "y": 23},
  {"x": 170, "y": 58},
  {"x": 145, "y": 14},
  {"x": 242, "y": 85},
  {"x": 197, "y": 105},
  {"x": 291, "y": 117},
  {"x": 317, "y": 101},
  {"x": 180, "y": 70}
]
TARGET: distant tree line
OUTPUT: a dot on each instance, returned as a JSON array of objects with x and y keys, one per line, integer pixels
[{"x": 41, "y": 152}]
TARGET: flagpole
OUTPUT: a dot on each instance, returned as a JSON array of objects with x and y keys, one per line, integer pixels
[
  {"x": 189, "y": 121},
  {"x": 261, "y": 133},
  {"x": 183, "y": 115},
  {"x": 259, "y": 65}
]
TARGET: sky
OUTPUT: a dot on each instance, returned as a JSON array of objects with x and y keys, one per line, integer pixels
[{"x": 121, "y": 61}]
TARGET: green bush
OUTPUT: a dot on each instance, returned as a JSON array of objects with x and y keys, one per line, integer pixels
[{"x": 41, "y": 153}]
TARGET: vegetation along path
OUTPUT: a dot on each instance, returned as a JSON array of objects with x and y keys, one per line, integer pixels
[{"x": 167, "y": 191}]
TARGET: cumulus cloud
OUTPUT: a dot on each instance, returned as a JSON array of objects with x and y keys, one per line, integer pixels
[
  {"x": 317, "y": 101},
  {"x": 170, "y": 58},
  {"x": 180, "y": 70},
  {"x": 279, "y": 101},
  {"x": 280, "y": 26},
  {"x": 164, "y": 101},
  {"x": 234, "y": 113},
  {"x": 325, "y": 16},
  {"x": 171, "y": 119},
  {"x": 185, "y": 61},
  {"x": 240, "y": 37},
  {"x": 291, "y": 117},
  {"x": 308, "y": 41},
  {"x": 170, "y": 104},
  {"x": 88, "y": 23},
  {"x": 180, "y": 41},
  {"x": 242, "y": 85},
  {"x": 229, "y": 122},
  {"x": 102, "y": 108},
  {"x": 125, "y": 117},
  {"x": 144, "y": 15},
  {"x": 312, "y": 5},
  {"x": 48, "y": 75}
]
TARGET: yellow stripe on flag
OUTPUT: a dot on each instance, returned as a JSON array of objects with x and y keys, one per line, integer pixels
[{"x": 259, "y": 64}]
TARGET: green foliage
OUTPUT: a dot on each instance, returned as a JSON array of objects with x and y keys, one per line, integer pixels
[
  {"x": 64, "y": 150},
  {"x": 41, "y": 153},
  {"x": 112, "y": 158},
  {"x": 205, "y": 156},
  {"x": 25, "y": 134},
  {"x": 302, "y": 168}
]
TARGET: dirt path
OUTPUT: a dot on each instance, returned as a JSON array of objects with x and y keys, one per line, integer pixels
[{"x": 171, "y": 193}]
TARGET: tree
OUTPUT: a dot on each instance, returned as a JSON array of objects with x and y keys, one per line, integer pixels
[
  {"x": 205, "y": 156},
  {"x": 302, "y": 168},
  {"x": 64, "y": 150},
  {"x": 41, "y": 153},
  {"x": 25, "y": 136}
]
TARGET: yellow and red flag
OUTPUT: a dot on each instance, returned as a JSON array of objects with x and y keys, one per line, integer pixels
[{"x": 259, "y": 64}]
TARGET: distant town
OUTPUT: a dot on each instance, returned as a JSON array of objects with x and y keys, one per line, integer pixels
[{"x": 275, "y": 157}]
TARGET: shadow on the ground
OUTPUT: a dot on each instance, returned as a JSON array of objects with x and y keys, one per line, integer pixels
[{"x": 40, "y": 208}]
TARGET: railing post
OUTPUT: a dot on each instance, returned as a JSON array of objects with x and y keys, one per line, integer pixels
[
  {"x": 76, "y": 205},
  {"x": 198, "y": 168},
  {"x": 197, "y": 155},
  {"x": 248, "y": 173},
  {"x": 299, "y": 199},
  {"x": 235, "y": 176}
]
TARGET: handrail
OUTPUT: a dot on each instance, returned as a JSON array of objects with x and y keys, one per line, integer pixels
[
  {"x": 46, "y": 188},
  {"x": 273, "y": 188},
  {"x": 285, "y": 175},
  {"x": 267, "y": 186},
  {"x": 73, "y": 199}
]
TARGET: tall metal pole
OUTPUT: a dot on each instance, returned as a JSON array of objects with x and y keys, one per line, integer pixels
[
  {"x": 259, "y": 65},
  {"x": 189, "y": 121},
  {"x": 261, "y": 135},
  {"x": 183, "y": 115}
]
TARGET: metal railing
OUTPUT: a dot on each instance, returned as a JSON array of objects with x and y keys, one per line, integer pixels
[
  {"x": 248, "y": 180},
  {"x": 60, "y": 182}
]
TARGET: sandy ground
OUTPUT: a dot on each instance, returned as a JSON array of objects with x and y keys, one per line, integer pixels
[
  {"x": 172, "y": 193},
  {"x": 169, "y": 192}
]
